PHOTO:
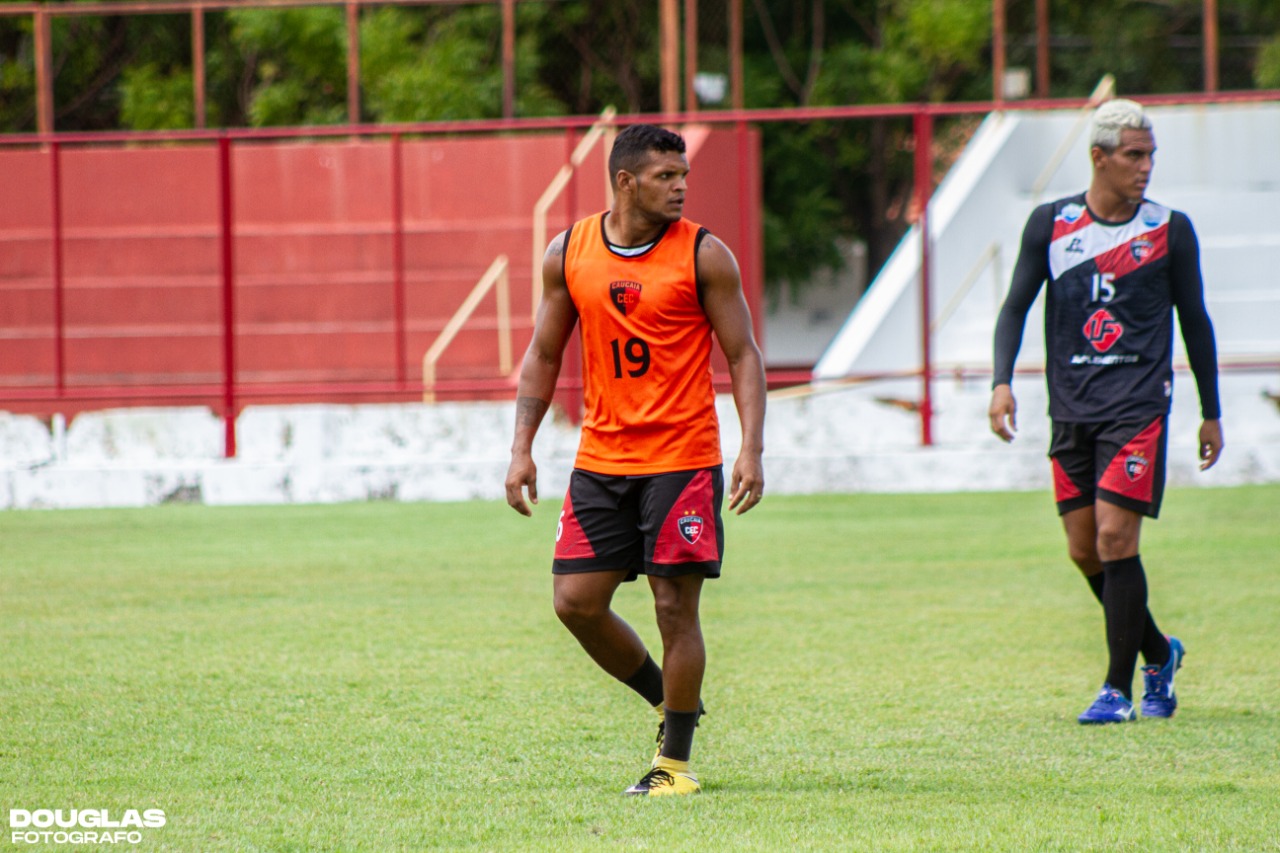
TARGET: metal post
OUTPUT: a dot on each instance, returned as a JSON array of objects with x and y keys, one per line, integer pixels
[
  {"x": 353, "y": 61},
  {"x": 924, "y": 190},
  {"x": 997, "y": 51},
  {"x": 59, "y": 294},
  {"x": 669, "y": 55},
  {"x": 227, "y": 243},
  {"x": 690, "y": 54},
  {"x": 44, "y": 71},
  {"x": 1042, "y": 48},
  {"x": 397, "y": 255},
  {"x": 735, "y": 53},
  {"x": 508, "y": 58},
  {"x": 197, "y": 63},
  {"x": 1211, "y": 45}
]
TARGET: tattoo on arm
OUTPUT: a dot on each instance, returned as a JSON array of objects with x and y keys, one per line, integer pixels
[{"x": 529, "y": 411}]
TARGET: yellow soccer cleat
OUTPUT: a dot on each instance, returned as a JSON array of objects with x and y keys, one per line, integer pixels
[{"x": 670, "y": 779}]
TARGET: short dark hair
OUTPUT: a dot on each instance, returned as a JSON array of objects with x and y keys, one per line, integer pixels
[{"x": 634, "y": 145}]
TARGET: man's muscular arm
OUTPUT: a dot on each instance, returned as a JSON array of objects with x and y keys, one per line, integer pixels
[
  {"x": 1197, "y": 333},
  {"x": 538, "y": 374},
  {"x": 730, "y": 317},
  {"x": 1029, "y": 275}
]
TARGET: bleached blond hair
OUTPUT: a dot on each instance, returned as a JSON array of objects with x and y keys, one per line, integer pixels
[{"x": 1113, "y": 117}]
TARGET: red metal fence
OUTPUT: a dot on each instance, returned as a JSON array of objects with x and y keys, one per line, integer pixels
[
  {"x": 223, "y": 268},
  {"x": 212, "y": 271}
]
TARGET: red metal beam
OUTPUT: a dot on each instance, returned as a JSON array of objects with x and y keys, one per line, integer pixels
[
  {"x": 997, "y": 52},
  {"x": 59, "y": 292},
  {"x": 353, "y": 61},
  {"x": 197, "y": 64},
  {"x": 397, "y": 258},
  {"x": 1211, "y": 45},
  {"x": 180, "y": 7},
  {"x": 735, "y": 54},
  {"x": 44, "y": 72},
  {"x": 508, "y": 58},
  {"x": 923, "y": 128},
  {"x": 690, "y": 54},
  {"x": 1042, "y": 48},
  {"x": 669, "y": 57},
  {"x": 559, "y": 123},
  {"x": 227, "y": 245}
]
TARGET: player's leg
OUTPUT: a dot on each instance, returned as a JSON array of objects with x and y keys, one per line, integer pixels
[
  {"x": 1073, "y": 452},
  {"x": 1124, "y": 595},
  {"x": 684, "y": 659},
  {"x": 598, "y": 547},
  {"x": 1130, "y": 487},
  {"x": 583, "y": 603},
  {"x": 684, "y": 539}
]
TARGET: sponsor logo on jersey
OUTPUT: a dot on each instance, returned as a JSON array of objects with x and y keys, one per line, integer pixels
[
  {"x": 690, "y": 526},
  {"x": 1071, "y": 212},
  {"x": 1076, "y": 246},
  {"x": 1135, "y": 467},
  {"x": 1102, "y": 330},
  {"x": 1151, "y": 216},
  {"x": 1141, "y": 249},
  {"x": 624, "y": 295}
]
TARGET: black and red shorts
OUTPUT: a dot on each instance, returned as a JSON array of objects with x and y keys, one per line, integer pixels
[
  {"x": 1121, "y": 463},
  {"x": 658, "y": 524}
]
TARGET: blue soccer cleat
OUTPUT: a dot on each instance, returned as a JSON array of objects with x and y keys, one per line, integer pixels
[
  {"x": 1158, "y": 698},
  {"x": 1109, "y": 707}
]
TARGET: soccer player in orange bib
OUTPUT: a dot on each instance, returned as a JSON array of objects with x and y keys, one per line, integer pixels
[{"x": 649, "y": 288}]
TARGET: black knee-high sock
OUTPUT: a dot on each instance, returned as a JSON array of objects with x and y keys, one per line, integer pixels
[
  {"x": 647, "y": 681},
  {"x": 1124, "y": 602},
  {"x": 678, "y": 728},
  {"x": 1155, "y": 646}
]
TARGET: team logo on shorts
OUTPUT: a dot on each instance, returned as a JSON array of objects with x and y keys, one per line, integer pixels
[
  {"x": 690, "y": 526},
  {"x": 1102, "y": 330},
  {"x": 1136, "y": 467},
  {"x": 624, "y": 294},
  {"x": 1140, "y": 249}
]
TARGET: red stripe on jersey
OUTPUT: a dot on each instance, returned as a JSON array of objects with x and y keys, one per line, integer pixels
[
  {"x": 571, "y": 542},
  {"x": 1128, "y": 256},
  {"x": 1063, "y": 488},
  {"x": 1061, "y": 227},
  {"x": 688, "y": 533},
  {"x": 1132, "y": 472}
]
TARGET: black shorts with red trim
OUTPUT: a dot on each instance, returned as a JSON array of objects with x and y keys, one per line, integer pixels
[
  {"x": 1122, "y": 463},
  {"x": 657, "y": 524}
]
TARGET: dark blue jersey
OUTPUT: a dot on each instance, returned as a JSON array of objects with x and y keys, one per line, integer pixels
[{"x": 1109, "y": 311}]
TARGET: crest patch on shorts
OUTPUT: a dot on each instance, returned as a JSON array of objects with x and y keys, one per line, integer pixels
[
  {"x": 690, "y": 527},
  {"x": 1135, "y": 466}
]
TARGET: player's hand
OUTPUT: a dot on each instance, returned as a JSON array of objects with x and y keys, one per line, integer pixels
[
  {"x": 746, "y": 486},
  {"x": 1210, "y": 443},
  {"x": 1003, "y": 413},
  {"x": 521, "y": 475}
]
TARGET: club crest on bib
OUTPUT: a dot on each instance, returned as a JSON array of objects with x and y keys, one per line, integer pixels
[
  {"x": 690, "y": 526},
  {"x": 624, "y": 295},
  {"x": 1140, "y": 249},
  {"x": 1102, "y": 330},
  {"x": 1136, "y": 466}
]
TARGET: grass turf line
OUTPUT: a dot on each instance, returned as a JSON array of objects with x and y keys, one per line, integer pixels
[{"x": 885, "y": 672}]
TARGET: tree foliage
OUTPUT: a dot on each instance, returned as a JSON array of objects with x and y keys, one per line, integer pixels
[{"x": 823, "y": 180}]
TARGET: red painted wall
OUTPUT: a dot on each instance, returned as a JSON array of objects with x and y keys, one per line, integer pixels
[{"x": 313, "y": 227}]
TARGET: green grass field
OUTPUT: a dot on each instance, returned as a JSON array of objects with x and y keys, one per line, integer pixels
[{"x": 885, "y": 673}]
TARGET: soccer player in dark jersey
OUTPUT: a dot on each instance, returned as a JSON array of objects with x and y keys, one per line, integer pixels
[
  {"x": 1117, "y": 265},
  {"x": 648, "y": 288}
]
